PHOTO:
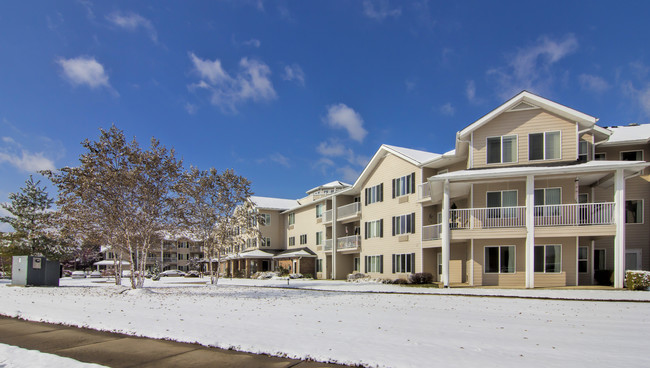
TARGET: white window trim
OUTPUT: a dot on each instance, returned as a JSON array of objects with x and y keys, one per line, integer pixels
[
  {"x": 406, "y": 263},
  {"x": 378, "y": 263},
  {"x": 642, "y": 211},
  {"x": 501, "y": 191},
  {"x": 585, "y": 259},
  {"x": 544, "y": 146},
  {"x": 561, "y": 258},
  {"x": 499, "y": 273},
  {"x": 639, "y": 253},
  {"x": 620, "y": 154},
  {"x": 372, "y": 224},
  {"x": 501, "y": 159},
  {"x": 292, "y": 216}
]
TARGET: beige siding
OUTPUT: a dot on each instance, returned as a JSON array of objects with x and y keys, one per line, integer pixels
[
  {"x": 522, "y": 123},
  {"x": 508, "y": 280},
  {"x": 275, "y": 230}
]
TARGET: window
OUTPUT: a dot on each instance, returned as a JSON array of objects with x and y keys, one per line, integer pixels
[
  {"x": 266, "y": 219},
  {"x": 180, "y": 257},
  {"x": 634, "y": 212},
  {"x": 374, "y": 194},
  {"x": 404, "y": 263},
  {"x": 549, "y": 199},
  {"x": 266, "y": 242},
  {"x": 599, "y": 259},
  {"x": 506, "y": 198},
  {"x": 374, "y": 229},
  {"x": 303, "y": 239},
  {"x": 500, "y": 259},
  {"x": 319, "y": 238},
  {"x": 583, "y": 151},
  {"x": 583, "y": 198},
  {"x": 374, "y": 264},
  {"x": 502, "y": 149},
  {"x": 319, "y": 210},
  {"x": 632, "y": 155},
  {"x": 548, "y": 258},
  {"x": 404, "y": 224},
  {"x": 544, "y": 146},
  {"x": 583, "y": 253},
  {"x": 404, "y": 185},
  {"x": 357, "y": 264},
  {"x": 319, "y": 265},
  {"x": 292, "y": 240},
  {"x": 600, "y": 156},
  {"x": 292, "y": 218}
]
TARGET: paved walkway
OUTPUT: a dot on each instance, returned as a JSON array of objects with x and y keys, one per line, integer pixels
[{"x": 117, "y": 350}]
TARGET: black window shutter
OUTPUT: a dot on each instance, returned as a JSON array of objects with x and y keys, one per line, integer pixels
[
  {"x": 381, "y": 192},
  {"x": 393, "y": 188},
  {"x": 365, "y": 230},
  {"x": 366, "y": 196},
  {"x": 412, "y": 182},
  {"x": 413, "y": 223},
  {"x": 381, "y": 228},
  {"x": 393, "y": 225},
  {"x": 393, "y": 263},
  {"x": 381, "y": 264},
  {"x": 412, "y": 262}
]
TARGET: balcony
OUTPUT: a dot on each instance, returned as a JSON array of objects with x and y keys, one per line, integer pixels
[
  {"x": 327, "y": 217},
  {"x": 424, "y": 191},
  {"x": 348, "y": 242},
  {"x": 431, "y": 232},
  {"x": 328, "y": 245},
  {"x": 349, "y": 211}
]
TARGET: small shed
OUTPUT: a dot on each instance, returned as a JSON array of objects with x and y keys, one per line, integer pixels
[{"x": 35, "y": 271}]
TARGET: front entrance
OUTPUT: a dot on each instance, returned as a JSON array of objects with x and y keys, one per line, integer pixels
[
  {"x": 632, "y": 259},
  {"x": 439, "y": 266}
]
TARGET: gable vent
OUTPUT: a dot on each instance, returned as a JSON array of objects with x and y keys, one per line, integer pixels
[{"x": 523, "y": 106}]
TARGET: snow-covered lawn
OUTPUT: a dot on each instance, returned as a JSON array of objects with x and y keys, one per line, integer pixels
[
  {"x": 15, "y": 357},
  {"x": 396, "y": 330}
]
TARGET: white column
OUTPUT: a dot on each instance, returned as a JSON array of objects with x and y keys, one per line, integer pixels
[
  {"x": 471, "y": 265},
  {"x": 619, "y": 238},
  {"x": 446, "y": 235},
  {"x": 334, "y": 238},
  {"x": 530, "y": 231}
]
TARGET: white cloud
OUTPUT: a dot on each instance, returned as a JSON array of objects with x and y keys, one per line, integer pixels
[
  {"x": 8, "y": 140},
  {"x": 294, "y": 73},
  {"x": 342, "y": 116},
  {"x": 253, "y": 42},
  {"x": 84, "y": 71},
  {"x": 380, "y": 10},
  {"x": 410, "y": 85},
  {"x": 348, "y": 174},
  {"x": 191, "y": 108},
  {"x": 332, "y": 148},
  {"x": 132, "y": 22},
  {"x": 280, "y": 159},
  {"x": 447, "y": 109},
  {"x": 593, "y": 83},
  {"x": 644, "y": 100},
  {"x": 27, "y": 161},
  {"x": 531, "y": 68},
  {"x": 252, "y": 82},
  {"x": 470, "y": 91}
]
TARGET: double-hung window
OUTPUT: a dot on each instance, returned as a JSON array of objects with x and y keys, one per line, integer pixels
[
  {"x": 497, "y": 200},
  {"x": 548, "y": 258},
  {"x": 319, "y": 265},
  {"x": 404, "y": 224},
  {"x": 303, "y": 239},
  {"x": 547, "y": 201},
  {"x": 500, "y": 259},
  {"x": 634, "y": 212},
  {"x": 319, "y": 238},
  {"x": 266, "y": 219},
  {"x": 583, "y": 254},
  {"x": 583, "y": 151},
  {"x": 292, "y": 218},
  {"x": 292, "y": 240},
  {"x": 404, "y": 185},
  {"x": 632, "y": 155},
  {"x": 544, "y": 146},
  {"x": 374, "y": 194},
  {"x": 404, "y": 263},
  {"x": 374, "y": 264},
  {"x": 266, "y": 242},
  {"x": 374, "y": 229},
  {"x": 319, "y": 210},
  {"x": 502, "y": 149}
]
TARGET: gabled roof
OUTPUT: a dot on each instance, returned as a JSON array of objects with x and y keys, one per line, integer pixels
[
  {"x": 529, "y": 99},
  {"x": 298, "y": 252},
  {"x": 269, "y": 203},
  {"x": 257, "y": 253},
  {"x": 627, "y": 135},
  {"x": 331, "y": 185}
]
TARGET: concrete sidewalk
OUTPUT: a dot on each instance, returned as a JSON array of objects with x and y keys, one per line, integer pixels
[{"x": 117, "y": 350}]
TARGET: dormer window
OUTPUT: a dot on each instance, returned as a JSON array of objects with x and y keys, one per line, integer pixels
[
  {"x": 544, "y": 146},
  {"x": 502, "y": 149}
]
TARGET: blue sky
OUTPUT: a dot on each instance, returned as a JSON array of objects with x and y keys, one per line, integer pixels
[{"x": 293, "y": 94}]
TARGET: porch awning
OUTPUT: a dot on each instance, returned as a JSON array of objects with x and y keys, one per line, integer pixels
[{"x": 296, "y": 253}]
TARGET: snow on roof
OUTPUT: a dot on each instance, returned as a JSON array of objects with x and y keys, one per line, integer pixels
[
  {"x": 273, "y": 203},
  {"x": 415, "y": 155},
  {"x": 631, "y": 134},
  {"x": 256, "y": 254},
  {"x": 299, "y": 252},
  {"x": 331, "y": 185}
]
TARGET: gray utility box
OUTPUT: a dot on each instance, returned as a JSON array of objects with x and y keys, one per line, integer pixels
[{"x": 34, "y": 271}]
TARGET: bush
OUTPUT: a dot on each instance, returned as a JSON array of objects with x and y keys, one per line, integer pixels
[
  {"x": 355, "y": 276},
  {"x": 283, "y": 271},
  {"x": 308, "y": 276},
  {"x": 399, "y": 282},
  {"x": 238, "y": 274},
  {"x": 420, "y": 278},
  {"x": 603, "y": 277},
  {"x": 637, "y": 280}
]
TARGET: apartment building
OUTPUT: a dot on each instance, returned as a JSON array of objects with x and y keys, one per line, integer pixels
[{"x": 533, "y": 194}]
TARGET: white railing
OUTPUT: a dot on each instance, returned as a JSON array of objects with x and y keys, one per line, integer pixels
[
  {"x": 575, "y": 214},
  {"x": 327, "y": 216},
  {"x": 348, "y": 210},
  {"x": 424, "y": 191},
  {"x": 431, "y": 232},
  {"x": 348, "y": 242},
  {"x": 485, "y": 218},
  {"x": 328, "y": 244}
]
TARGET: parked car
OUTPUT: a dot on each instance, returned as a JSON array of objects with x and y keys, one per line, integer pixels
[
  {"x": 172, "y": 273},
  {"x": 78, "y": 275},
  {"x": 192, "y": 274},
  {"x": 95, "y": 274}
]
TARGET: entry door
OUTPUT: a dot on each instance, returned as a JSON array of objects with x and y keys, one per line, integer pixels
[
  {"x": 633, "y": 259},
  {"x": 439, "y": 266},
  {"x": 295, "y": 267}
]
